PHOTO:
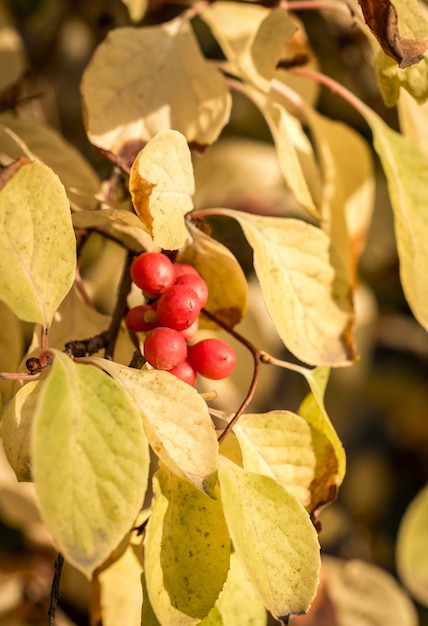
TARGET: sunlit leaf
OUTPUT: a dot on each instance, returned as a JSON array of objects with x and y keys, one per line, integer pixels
[
  {"x": 186, "y": 551},
  {"x": 142, "y": 81},
  {"x": 123, "y": 226},
  {"x": 288, "y": 448},
  {"x": 413, "y": 120},
  {"x": 75, "y": 172},
  {"x": 305, "y": 287},
  {"x": 37, "y": 264},
  {"x": 148, "y": 617},
  {"x": 238, "y": 602},
  {"x": 16, "y": 428},
  {"x": 90, "y": 461},
  {"x": 227, "y": 284},
  {"x": 252, "y": 37},
  {"x": 273, "y": 537},
  {"x": 366, "y": 595},
  {"x": 136, "y": 8},
  {"x": 412, "y": 547},
  {"x": 121, "y": 593},
  {"x": 176, "y": 420},
  {"x": 161, "y": 185}
]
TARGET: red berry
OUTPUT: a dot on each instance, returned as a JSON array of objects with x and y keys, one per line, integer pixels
[
  {"x": 178, "y": 307},
  {"x": 165, "y": 348},
  {"x": 190, "y": 332},
  {"x": 184, "y": 268},
  {"x": 142, "y": 318},
  {"x": 185, "y": 372},
  {"x": 197, "y": 283},
  {"x": 153, "y": 272},
  {"x": 212, "y": 358}
]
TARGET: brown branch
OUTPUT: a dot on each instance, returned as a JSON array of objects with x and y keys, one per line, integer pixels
[
  {"x": 120, "y": 308},
  {"x": 55, "y": 591}
]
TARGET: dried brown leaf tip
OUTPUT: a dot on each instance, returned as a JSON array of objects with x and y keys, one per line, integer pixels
[{"x": 381, "y": 18}]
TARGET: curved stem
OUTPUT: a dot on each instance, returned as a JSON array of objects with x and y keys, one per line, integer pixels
[{"x": 120, "y": 308}]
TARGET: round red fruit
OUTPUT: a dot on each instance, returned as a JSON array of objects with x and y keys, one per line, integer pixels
[
  {"x": 212, "y": 358},
  {"x": 165, "y": 348},
  {"x": 197, "y": 283},
  {"x": 185, "y": 372},
  {"x": 178, "y": 307},
  {"x": 184, "y": 268},
  {"x": 142, "y": 318},
  {"x": 153, "y": 272}
]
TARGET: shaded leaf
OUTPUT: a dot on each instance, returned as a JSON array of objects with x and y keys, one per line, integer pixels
[
  {"x": 161, "y": 185},
  {"x": 12, "y": 346},
  {"x": 306, "y": 289},
  {"x": 121, "y": 593},
  {"x": 16, "y": 429},
  {"x": 125, "y": 100},
  {"x": 13, "y": 59},
  {"x": 76, "y": 174},
  {"x": 37, "y": 265},
  {"x": 186, "y": 551},
  {"x": 176, "y": 420},
  {"x": 90, "y": 461},
  {"x": 227, "y": 284},
  {"x": 273, "y": 537},
  {"x": 412, "y": 547},
  {"x": 366, "y": 595},
  {"x": 238, "y": 602},
  {"x": 288, "y": 448},
  {"x": 381, "y": 17}
]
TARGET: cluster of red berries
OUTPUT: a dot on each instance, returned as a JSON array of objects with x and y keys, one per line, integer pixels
[{"x": 175, "y": 295}]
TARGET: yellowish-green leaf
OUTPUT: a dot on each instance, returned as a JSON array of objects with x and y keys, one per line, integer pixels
[
  {"x": 123, "y": 226},
  {"x": 12, "y": 346},
  {"x": 13, "y": 59},
  {"x": 21, "y": 136},
  {"x": 406, "y": 169},
  {"x": 348, "y": 186},
  {"x": 365, "y": 595},
  {"x": 390, "y": 77},
  {"x": 90, "y": 461},
  {"x": 16, "y": 429},
  {"x": 148, "y": 617},
  {"x": 37, "y": 264},
  {"x": 186, "y": 551},
  {"x": 252, "y": 37},
  {"x": 273, "y": 537},
  {"x": 142, "y": 81},
  {"x": 227, "y": 284},
  {"x": 176, "y": 420},
  {"x": 305, "y": 287},
  {"x": 413, "y": 120},
  {"x": 412, "y": 547},
  {"x": 161, "y": 185},
  {"x": 288, "y": 448},
  {"x": 238, "y": 602},
  {"x": 137, "y": 8},
  {"x": 121, "y": 593}
]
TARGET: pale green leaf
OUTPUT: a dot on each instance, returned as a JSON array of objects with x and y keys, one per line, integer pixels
[
  {"x": 161, "y": 185},
  {"x": 177, "y": 422},
  {"x": 412, "y": 547},
  {"x": 123, "y": 226},
  {"x": 142, "y": 81},
  {"x": 120, "y": 590},
  {"x": 413, "y": 120},
  {"x": 37, "y": 264},
  {"x": 391, "y": 78},
  {"x": 365, "y": 595},
  {"x": 186, "y": 551},
  {"x": 306, "y": 289},
  {"x": 16, "y": 429},
  {"x": 30, "y": 136},
  {"x": 238, "y": 602},
  {"x": 252, "y": 37},
  {"x": 273, "y": 537},
  {"x": 227, "y": 284},
  {"x": 137, "y": 8},
  {"x": 286, "y": 447},
  {"x": 90, "y": 461}
]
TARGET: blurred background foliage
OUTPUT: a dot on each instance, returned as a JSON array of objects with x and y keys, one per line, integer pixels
[{"x": 379, "y": 407}]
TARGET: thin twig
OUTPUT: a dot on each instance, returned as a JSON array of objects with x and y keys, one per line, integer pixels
[
  {"x": 120, "y": 308},
  {"x": 55, "y": 592}
]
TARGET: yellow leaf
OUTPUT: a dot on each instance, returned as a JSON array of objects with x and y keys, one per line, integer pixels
[
  {"x": 131, "y": 84},
  {"x": 161, "y": 185},
  {"x": 90, "y": 461},
  {"x": 136, "y": 8},
  {"x": 186, "y": 551},
  {"x": 275, "y": 541},
  {"x": 37, "y": 264},
  {"x": 412, "y": 547},
  {"x": 121, "y": 593}
]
